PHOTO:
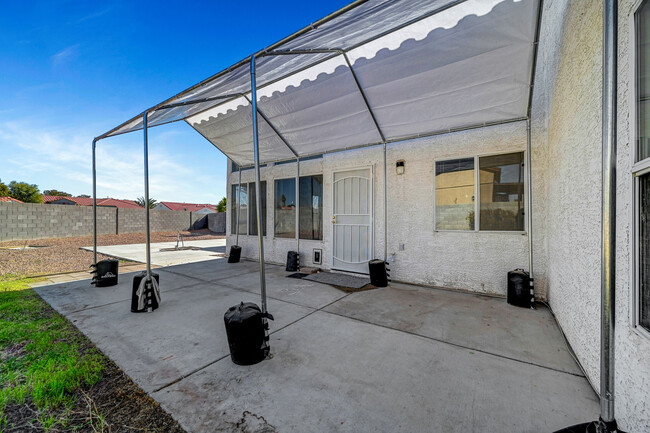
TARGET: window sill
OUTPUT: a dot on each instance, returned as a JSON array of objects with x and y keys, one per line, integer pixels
[
  {"x": 643, "y": 333},
  {"x": 483, "y": 232}
]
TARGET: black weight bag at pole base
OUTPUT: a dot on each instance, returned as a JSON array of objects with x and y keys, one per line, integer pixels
[
  {"x": 246, "y": 329},
  {"x": 145, "y": 296},
  {"x": 599, "y": 426},
  {"x": 235, "y": 254},
  {"x": 378, "y": 273},
  {"x": 105, "y": 273},
  {"x": 519, "y": 289},
  {"x": 293, "y": 261}
]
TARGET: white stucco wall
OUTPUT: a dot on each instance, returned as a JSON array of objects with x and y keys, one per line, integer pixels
[
  {"x": 632, "y": 348},
  {"x": 568, "y": 106},
  {"x": 566, "y": 145},
  {"x": 569, "y": 87},
  {"x": 476, "y": 261}
]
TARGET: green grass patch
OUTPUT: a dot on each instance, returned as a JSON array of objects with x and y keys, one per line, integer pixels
[{"x": 44, "y": 360}]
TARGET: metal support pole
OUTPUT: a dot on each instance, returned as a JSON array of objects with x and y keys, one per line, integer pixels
[
  {"x": 295, "y": 154},
  {"x": 608, "y": 233},
  {"x": 385, "y": 208},
  {"x": 238, "y": 204},
  {"x": 94, "y": 205},
  {"x": 146, "y": 192},
  {"x": 298, "y": 209},
  {"x": 383, "y": 141},
  {"x": 258, "y": 196},
  {"x": 529, "y": 210}
]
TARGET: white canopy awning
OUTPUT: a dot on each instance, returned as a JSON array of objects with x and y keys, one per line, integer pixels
[{"x": 380, "y": 71}]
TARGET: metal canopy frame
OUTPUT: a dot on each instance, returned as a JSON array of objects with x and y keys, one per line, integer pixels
[{"x": 273, "y": 51}]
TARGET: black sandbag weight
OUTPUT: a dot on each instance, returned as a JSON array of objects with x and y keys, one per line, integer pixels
[
  {"x": 378, "y": 273},
  {"x": 246, "y": 329},
  {"x": 134, "y": 298},
  {"x": 105, "y": 273},
  {"x": 519, "y": 289},
  {"x": 293, "y": 261},
  {"x": 235, "y": 254}
]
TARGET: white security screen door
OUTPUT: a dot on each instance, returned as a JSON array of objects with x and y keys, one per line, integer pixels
[{"x": 352, "y": 220}]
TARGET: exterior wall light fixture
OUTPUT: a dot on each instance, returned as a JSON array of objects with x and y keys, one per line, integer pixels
[{"x": 399, "y": 167}]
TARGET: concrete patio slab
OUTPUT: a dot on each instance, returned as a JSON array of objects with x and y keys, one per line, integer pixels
[
  {"x": 478, "y": 322},
  {"x": 186, "y": 333},
  {"x": 213, "y": 270},
  {"x": 331, "y": 373},
  {"x": 209, "y": 250},
  {"x": 83, "y": 275},
  {"x": 403, "y": 358},
  {"x": 245, "y": 276},
  {"x": 79, "y": 295},
  {"x": 299, "y": 291}
]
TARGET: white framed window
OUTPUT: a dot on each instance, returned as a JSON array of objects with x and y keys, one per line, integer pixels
[
  {"x": 284, "y": 208},
  {"x": 641, "y": 168},
  {"x": 480, "y": 193},
  {"x": 238, "y": 195},
  {"x": 310, "y": 212},
  {"x": 311, "y": 207},
  {"x": 455, "y": 193},
  {"x": 248, "y": 217}
]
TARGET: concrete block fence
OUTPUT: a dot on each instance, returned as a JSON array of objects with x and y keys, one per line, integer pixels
[{"x": 39, "y": 221}]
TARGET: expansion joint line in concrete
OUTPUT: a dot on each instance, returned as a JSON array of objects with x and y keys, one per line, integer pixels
[
  {"x": 178, "y": 379},
  {"x": 454, "y": 344},
  {"x": 129, "y": 299}
]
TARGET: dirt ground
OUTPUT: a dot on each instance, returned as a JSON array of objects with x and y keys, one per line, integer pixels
[
  {"x": 114, "y": 404},
  {"x": 60, "y": 255}
]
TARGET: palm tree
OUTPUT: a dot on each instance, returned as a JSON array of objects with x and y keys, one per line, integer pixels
[{"x": 140, "y": 201}]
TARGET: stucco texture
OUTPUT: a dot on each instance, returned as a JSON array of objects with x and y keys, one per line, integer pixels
[
  {"x": 574, "y": 171},
  {"x": 476, "y": 261},
  {"x": 566, "y": 168},
  {"x": 567, "y": 123},
  {"x": 632, "y": 390}
]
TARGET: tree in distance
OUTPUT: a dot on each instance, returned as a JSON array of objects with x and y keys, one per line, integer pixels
[
  {"x": 56, "y": 193},
  {"x": 221, "y": 206},
  {"x": 4, "y": 189},
  {"x": 140, "y": 201},
  {"x": 25, "y": 192}
]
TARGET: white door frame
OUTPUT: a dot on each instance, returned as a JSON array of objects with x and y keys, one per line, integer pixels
[{"x": 371, "y": 208}]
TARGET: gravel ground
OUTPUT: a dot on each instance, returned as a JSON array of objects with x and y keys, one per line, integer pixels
[{"x": 59, "y": 255}]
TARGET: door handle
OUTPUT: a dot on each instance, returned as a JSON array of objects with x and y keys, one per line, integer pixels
[{"x": 333, "y": 220}]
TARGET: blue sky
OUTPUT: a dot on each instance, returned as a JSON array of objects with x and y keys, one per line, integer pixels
[{"x": 71, "y": 70}]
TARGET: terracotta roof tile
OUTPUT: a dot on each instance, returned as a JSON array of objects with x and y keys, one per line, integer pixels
[{"x": 88, "y": 201}]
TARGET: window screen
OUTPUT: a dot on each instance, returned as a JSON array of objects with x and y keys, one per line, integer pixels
[
  {"x": 643, "y": 80},
  {"x": 285, "y": 208},
  {"x": 311, "y": 207},
  {"x": 243, "y": 223},
  {"x": 455, "y": 194},
  {"x": 644, "y": 251},
  {"x": 502, "y": 192},
  {"x": 642, "y": 153}
]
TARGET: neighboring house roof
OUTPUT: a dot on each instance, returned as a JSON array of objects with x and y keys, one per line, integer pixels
[
  {"x": 88, "y": 201},
  {"x": 9, "y": 200},
  {"x": 192, "y": 207},
  {"x": 80, "y": 201},
  {"x": 129, "y": 204}
]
